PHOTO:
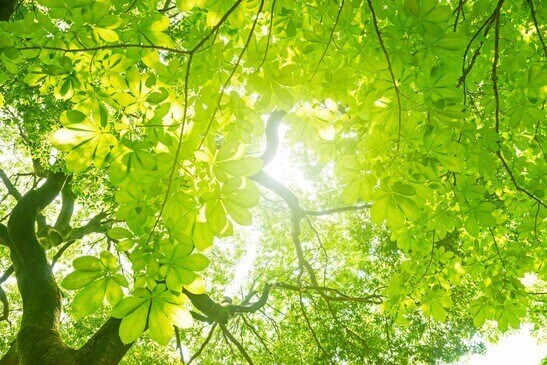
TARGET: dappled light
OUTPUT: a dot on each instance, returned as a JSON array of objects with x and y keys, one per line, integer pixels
[{"x": 271, "y": 181}]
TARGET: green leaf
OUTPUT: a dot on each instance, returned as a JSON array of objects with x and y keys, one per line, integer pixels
[
  {"x": 106, "y": 34},
  {"x": 114, "y": 292},
  {"x": 118, "y": 233},
  {"x": 109, "y": 260},
  {"x": 88, "y": 263},
  {"x": 127, "y": 306},
  {"x": 133, "y": 325},
  {"x": 89, "y": 299},
  {"x": 78, "y": 279},
  {"x": 203, "y": 236},
  {"x": 180, "y": 316},
  {"x": 87, "y": 144},
  {"x": 160, "y": 326},
  {"x": 196, "y": 262}
]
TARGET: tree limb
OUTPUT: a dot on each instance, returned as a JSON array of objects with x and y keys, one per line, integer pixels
[
  {"x": 337, "y": 210},
  {"x": 62, "y": 224},
  {"x": 5, "y": 306},
  {"x": 105, "y": 346},
  {"x": 12, "y": 190},
  {"x": 272, "y": 136}
]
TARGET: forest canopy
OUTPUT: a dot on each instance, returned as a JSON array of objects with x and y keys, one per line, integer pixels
[{"x": 270, "y": 181}]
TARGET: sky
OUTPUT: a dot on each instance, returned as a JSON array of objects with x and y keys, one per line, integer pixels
[{"x": 515, "y": 349}]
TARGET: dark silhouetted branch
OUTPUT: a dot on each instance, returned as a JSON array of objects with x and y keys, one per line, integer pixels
[
  {"x": 536, "y": 25},
  {"x": 204, "y": 344}
]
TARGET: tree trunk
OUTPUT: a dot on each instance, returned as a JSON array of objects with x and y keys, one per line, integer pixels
[{"x": 38, "y": 340}]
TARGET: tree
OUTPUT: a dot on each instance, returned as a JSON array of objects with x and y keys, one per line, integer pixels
[{"x": 138, "y": 142}]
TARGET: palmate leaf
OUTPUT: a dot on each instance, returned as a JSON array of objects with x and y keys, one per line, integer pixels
[
  {"x": 395, "y": 203},
  {"x": 78, "y": 279},
  {"x": 96, "y": 279},
  {"x": 235, "y": 198},
  {"x": 360, "y": 183},
  {"x": 179, "y": 266},
  {"x": 160, "y": 309},
  {"x": 312, "y": 123},
  {"x": 90, "y": 298},
  {"x": 435, "y": 303},
  {"x": 133, "y": 325},
  {"x": 86, "y": 143},
  {"x": 132, "y": 163}
]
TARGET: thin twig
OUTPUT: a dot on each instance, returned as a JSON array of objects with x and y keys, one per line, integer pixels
[
  {"x": 179, "y": 345},
  {"x": 495, "y": 70},
  {"x": 204, "y": 344},
  {"x": 390, "y": 68},
  {"x": 239, "y": 346},
  {"x": 466, "y": 69},
  {"x": 314, "y": 335},
  {"x": 257, "y": 335},
  {"x": 517, "y": 186},
  {"x": 232, "y": 73},
  {"x": 105, "y": 47},
  {"x": 330, "y": 38},
  {"x": 269, "y": 36},
  {"x": 536, "y": 25}
]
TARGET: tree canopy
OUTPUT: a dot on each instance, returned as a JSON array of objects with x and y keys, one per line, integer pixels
[{"x": 142, "y": 221}]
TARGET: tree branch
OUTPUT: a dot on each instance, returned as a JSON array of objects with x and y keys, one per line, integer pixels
[
  {"x": 236, "y": 343},
  {"x": 466, "y": 69},
  {"x": 5, "y": 306},
  {"x": 253, "y": 307},
  {"x": 12, "y": 190},
  {"x": 269, "y": 36},
  {"x": 185, "y": 113},
  {"x": 228, "y": 80},
  {"x": 337, "y": 210},
  {"x": 257, "y": 335},
  {"x": 204, "y": 344},
  {"x": 105, "y": 47},
  {"x": 340, "y": 296},
  {"x": 94, "y": 225},
  {"x": 272, "y": 136},
  {"x": 62, "y": 224},
  {"x": 517, "y": 186},
  {"x": 308, "y": 324},
  {"x": 105, "y": 346},
  {"x": 179, "y": 345},
  {"x": 4, "y": 236},
  {"x": 495, "y": 68}
]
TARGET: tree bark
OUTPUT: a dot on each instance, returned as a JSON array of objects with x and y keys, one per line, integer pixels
[
  {"x": 38, "y": 340},
  {"x": 105, "y": 347},
  {"x": 7, "y": 7}
]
